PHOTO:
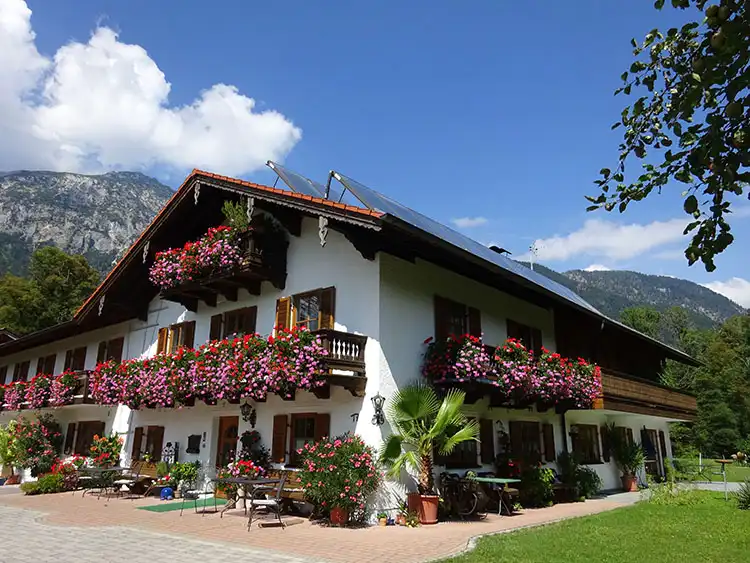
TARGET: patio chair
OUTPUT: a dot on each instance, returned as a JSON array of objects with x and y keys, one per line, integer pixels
[
  {"x": 200, "y": 488},
  {"x": 270, "y": 504},
  {"x": 130, "y": 478}
]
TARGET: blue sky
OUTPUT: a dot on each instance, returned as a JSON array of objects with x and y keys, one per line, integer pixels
[{"x": 493, "y": 111}]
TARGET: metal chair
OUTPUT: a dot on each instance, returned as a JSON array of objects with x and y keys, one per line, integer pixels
[
  {"x": 200, "y": 488},
  {"x": 270, "y": 504},
  {"x": 130, "y": 479}
]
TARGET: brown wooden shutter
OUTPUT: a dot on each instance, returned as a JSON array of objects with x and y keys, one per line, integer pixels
[
  {"x": 101, "y": 352},
  {"x": 536, "y": 340},
  {"x": 135, "y": 452},
  {"x": 663, "y": 444},
  {"x": 68, "y": 359},
  {"x": 155, "y": 441},
  {"x": 114, "y": 349},
  {"x": 515, "y": 430},
  {"x": 327, "y": 307},
  {"x": 79, "y": 358},
  {"x": 49, "y": 363},
  {"x": 23, "y": 373},
  {"x": 3, "y": 374},
  {"x": 475, "y": 322},
  {"x": 69, "y": 437},
  {"x": 188, "y": 335},
  {"x": 278, "y": 443},
  {"x": 322, "y": 425},
  {"x": 249, "y": 318},
  {"x": 40, "y": 366},
  {"x": 442, "y": 318},
  {"x": 487, "y": 439},
  {"x": 161, "y": 343},
  {"x": 548, "y": 438},
  {"x": 283, "y": 313},
  {"x": 597, "y": 447},
  {"x": 606, "y": 443},
  {"x": 629, "y": 434},
  {"x": 214, "y": 332}
]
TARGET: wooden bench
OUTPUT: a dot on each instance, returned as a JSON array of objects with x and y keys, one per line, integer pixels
[{"x": 293, "y": 489}]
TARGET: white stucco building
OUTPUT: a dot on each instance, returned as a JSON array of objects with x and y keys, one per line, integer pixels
[{"x": 371, "y": 274}]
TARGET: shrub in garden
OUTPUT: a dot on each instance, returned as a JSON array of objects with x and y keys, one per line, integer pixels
[
  {"x": 35, "y": 443},
  {"x": 339, "y": 472},
  {"x": 742, "y": 496},
  {"x": 536, "y": 486},
  {"x": 45, "y": 485},
  {"x": 584, "y": 480}
]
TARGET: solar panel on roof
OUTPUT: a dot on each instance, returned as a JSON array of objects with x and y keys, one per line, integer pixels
[
  {"x": 297, "y": 182},
  {"x": 379, "y": 202}
]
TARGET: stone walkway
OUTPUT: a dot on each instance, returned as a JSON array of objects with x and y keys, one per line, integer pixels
[{"x": 66, "y": 527}]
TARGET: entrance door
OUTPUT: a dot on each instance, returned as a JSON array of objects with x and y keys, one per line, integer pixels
[{"x": 227, "y": 443}]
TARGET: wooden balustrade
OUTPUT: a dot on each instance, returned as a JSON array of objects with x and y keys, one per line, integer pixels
[
  {"x": 629, "y": 394},
  {"x": 346, "y": 353}
]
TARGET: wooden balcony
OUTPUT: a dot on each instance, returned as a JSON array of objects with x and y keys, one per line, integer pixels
[
  {"x": 81, "y": 395},
  {"x": 628, "y": 394},
  {"x": 345, "y": 362},
  {"x": 263, "y": 259}
]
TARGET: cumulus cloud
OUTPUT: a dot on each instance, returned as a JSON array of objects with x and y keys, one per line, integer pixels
[
  {"x": 607, "y": 239},
  {"x": 104, "y": 104},
  {"x": 596, "y": 268},
  {"x": 736, "y": 289},
  {"x": 469, "y": 222}
]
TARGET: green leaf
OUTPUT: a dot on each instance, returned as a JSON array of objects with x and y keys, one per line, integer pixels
[
  {"x": 696, "y": 77},
  {"x": 659, "y": 4},
  {"x": 605, "y": 172},
  {"x": 691, "y": 204}
]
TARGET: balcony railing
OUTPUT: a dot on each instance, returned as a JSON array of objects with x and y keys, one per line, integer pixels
[
  {"x": 345, "y": 360},
  {"x": 629, "y": 394}
]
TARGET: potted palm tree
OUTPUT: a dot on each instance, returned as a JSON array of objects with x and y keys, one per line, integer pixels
[
  {"x": 423, "y": 423},
  {"x": 629, "y": 457}
]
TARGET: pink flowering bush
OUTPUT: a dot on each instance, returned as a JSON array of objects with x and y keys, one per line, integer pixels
[
  {"x": 38, "y": 391},
  {"x": 339, "y": 472},
  {"x": 35, "y": 443},
  {"x": 457, "y": 358},
  {"x": 516, "y": 371},
  {"x": 218, "y": 250},
  {"x": 247, "y": 366},
  {"x": 63, "y": 389},
  {"x": 15, "y": 395}
]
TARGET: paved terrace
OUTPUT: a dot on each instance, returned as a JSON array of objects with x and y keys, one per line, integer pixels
[{"x": 68, "y": 528}]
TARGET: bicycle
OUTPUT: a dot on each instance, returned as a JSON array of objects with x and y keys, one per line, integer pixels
[{"x": 463, "y": 497}]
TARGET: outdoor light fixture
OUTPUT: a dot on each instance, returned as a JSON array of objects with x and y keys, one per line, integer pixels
[
  {"x": 249, "y": 414},
  {"x": 378, "y": 419}
]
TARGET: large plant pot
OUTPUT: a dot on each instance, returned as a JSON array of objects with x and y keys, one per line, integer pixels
[
  {"x": 339, "y": 516},
  {"x": 629, "y": 483},
  {"x": 426, "y": 506}
]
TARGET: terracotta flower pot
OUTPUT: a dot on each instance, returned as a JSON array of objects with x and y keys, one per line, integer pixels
[
  {"x": 339, "y": 516},
  {"x": 426, "y": 506},
  {"x": 629, "y": 483}
]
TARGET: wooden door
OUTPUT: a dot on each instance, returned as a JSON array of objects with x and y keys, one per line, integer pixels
[{"x": 226, "y": 446}]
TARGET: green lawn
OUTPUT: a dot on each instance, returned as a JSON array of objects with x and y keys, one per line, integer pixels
[
  {"x": 735, "y": 472},
  {"x": 711, "y": 531}
]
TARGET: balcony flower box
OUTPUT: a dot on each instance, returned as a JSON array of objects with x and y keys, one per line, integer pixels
[
  {"x": 63, "y": 389},
  {"x": 15, "y": 395},
  {"x": 38, "y": 391}
]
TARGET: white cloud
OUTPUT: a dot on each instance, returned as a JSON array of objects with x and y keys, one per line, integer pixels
[
  {"x": 104, "y": 105},
  {"x": 607, "y": 239},
  {"x": 736, "y": 289},
  {"x": 596, "y": 268},
  {"x": 469, "y": 222}
]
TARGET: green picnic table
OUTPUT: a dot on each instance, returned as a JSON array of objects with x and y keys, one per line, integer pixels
[{"x": 501, "y": 483}]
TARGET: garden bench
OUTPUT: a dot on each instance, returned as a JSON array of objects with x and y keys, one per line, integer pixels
[{"x": 293, "y": 491}]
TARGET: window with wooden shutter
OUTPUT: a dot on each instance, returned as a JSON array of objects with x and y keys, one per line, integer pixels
[
  {"x": 585, "y": 441},
  {"x": 175, "y": 336},
  {"x": 239, "y": 322},
  {"x": 475, "y": 321},
  {"x": 214, "y": 333},
  {"x": 69, "y": 439},
  {"x": 530, "y": 337},
  {"x": 154, "y": 441},
  {"x": 46, "y": 364},
  {"x": 663, "y": 444},
  {"x": 454, "y": 318},
  {"x": 278, "y": 442},
  {"x": 135, "y": 452},
  {"x": 188, "y": 334},
  {"x": 86, "y": 432},
  {"x": 101, "y": 353},
  {"x": 322, "y": 425},
  {"x": 525, "y": 441},
  {"x": 21, "y": 371},
  {"x": 75, "y": 359},
  {"x": 548, "y": 439},
  {"x": 110, "y": 350},
  {"x": 283, "y": 313},
  {"x": 327, "y": 307},
  {"x": 487, "y": 440},
  {"x": 3, "y": 374},
  {"x": 161, "y": 343}
]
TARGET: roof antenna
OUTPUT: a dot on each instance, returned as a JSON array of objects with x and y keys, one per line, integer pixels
[{"x": 533, "y": 249}]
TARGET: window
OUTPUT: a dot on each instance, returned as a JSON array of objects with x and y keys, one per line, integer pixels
[
  {"x": 233, "y": 323},
  {"x": 525, "y": 441},
  {"x": 624, "y": 434},
  {"x": 86, "y": 432},
  {"x": 46, "y": 364},
  {"x": 173, "y": 337},
  {"x": 312, "y": 310},
  {"x": 3, "y": 374},
  {"x": 147, "y": 440},
  {"x": 529, "y": 336},
  {"x": 21, "y": 371},
  {"x": 454, "y": 318},
  {"x": 464, "y": 455},
  {"x": 303, "y": 428},
  {"x": 548, "y": 437},
  {"x": 110, "y": 350},
  {"x": 75, "y": 359},
  {"x": 585, "y": 438}
]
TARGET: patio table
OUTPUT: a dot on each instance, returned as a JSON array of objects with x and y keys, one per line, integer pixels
[
  {"x": 98, "y": 474},
  {"x": 503, "y": 482},
  {"x": 245, "y": 484}
]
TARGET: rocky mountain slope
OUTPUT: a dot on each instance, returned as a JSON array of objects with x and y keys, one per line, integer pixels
[
  {"x": 614, "y": 290},
  {"x": 97, "y": 216}
]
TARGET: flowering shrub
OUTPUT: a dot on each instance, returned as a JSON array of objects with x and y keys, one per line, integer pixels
[
  {"x": 35, "y": 443},
  {"x": 69, "y": 472},
  {"x": 62, "y": 389},
  {"x": 339, "y": 472},
  {"x": 15, "y": 395},
  {"x": 105, "y": 450},
  {"x": 218, "y": 250},
  {"x": 247, "y": 366},
  {"x": 521, "y": 377},
  {"x": 38, "y": 391},
  {"x": 457, "y": 358},
  {"x": 242, "y": 468}
]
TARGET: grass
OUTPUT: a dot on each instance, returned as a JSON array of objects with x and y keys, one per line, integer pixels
[
  {"x": 170, "y": 505},
  {"x": 735, "y": 473},
  {"x": 713, "y": 530}
]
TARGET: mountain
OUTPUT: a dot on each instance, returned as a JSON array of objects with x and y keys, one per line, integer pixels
[
  {"x": 611, "y": 291},
  {"x": 97, "y": 216}
]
